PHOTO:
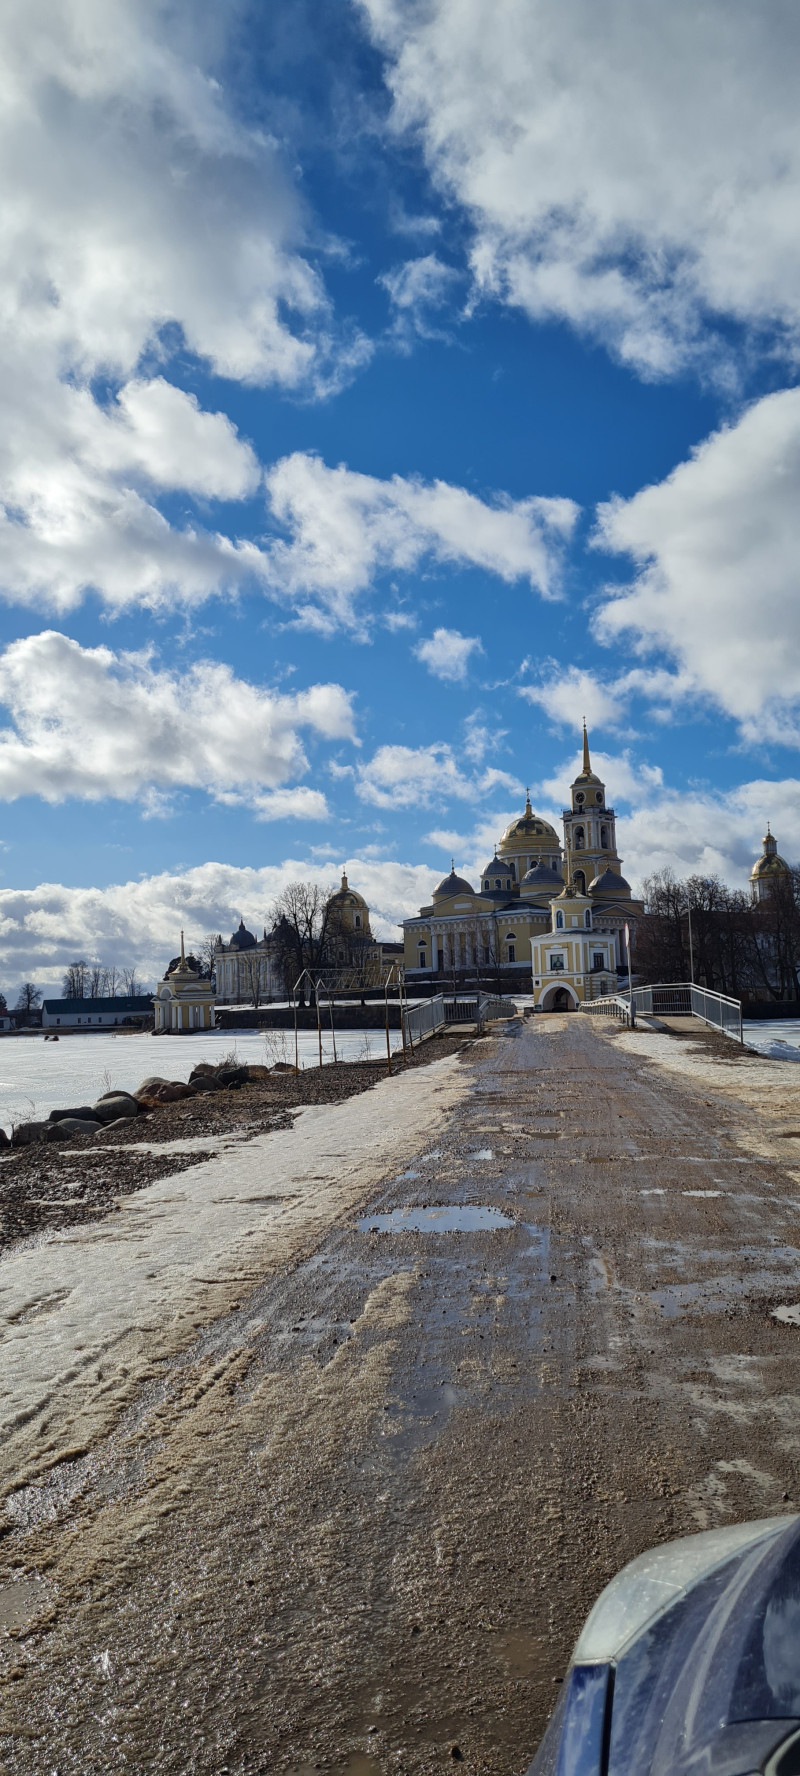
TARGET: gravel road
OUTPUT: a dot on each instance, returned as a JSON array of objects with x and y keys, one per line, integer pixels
[{"x": 355, "y": 1525}]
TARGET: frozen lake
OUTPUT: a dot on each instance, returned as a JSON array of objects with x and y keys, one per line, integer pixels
[
  {"x": 777, "y": 1037},
  {"x": 37, "y": 1076}
]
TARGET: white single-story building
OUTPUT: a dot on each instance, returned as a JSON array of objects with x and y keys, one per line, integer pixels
[{"x": 96, "y": 1014}]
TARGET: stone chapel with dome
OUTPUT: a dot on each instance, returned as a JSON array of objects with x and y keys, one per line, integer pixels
[{"x": 547, "y": 917}]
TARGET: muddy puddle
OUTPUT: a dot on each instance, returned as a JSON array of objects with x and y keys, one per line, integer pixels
[
  {"x": 20, "y": 1602},
  {"x": 438, "y": 1218}
]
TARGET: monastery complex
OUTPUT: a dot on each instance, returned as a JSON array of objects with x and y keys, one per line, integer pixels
[{"x": 546, "y": 915}]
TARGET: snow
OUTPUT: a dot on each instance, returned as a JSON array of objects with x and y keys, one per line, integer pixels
[
  {"x": 779, "y": 1038},
  {"x": 86, "y": 1313},
  {"x": 37, "y": 1076}
]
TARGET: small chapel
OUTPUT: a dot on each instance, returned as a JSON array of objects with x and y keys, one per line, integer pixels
[{"x": 548, "y": 916}]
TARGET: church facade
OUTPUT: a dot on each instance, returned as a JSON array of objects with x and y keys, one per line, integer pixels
[{"x": 547, "y": 917}]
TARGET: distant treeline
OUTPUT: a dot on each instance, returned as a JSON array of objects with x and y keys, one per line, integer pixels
[{"x": 750, "y": 950}]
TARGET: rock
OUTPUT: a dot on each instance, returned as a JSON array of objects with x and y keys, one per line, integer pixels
[
  {"x": 84, "y": 1111},
  {"x": 4, "y": 1140},
  {"x": 112, "y": 1108},
  {"x": 256, "y": 1071},
  {"x": 147, "y": 1084},
  {"x": 55, "y": 1131},
  {"x": 232, "y": 1077},
  {"x": 282, "y": 1067},
  {"x": 76, "y": 1125},
  {"x": 165, "y": 1092},
  {"x": 204, "y": 1082},
  {"x": 121, "y": 1123},
  {"x": 202, "y": 1070},
  {"x": 27, "y": 1133}
]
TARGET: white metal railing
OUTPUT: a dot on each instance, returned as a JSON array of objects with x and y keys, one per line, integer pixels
[
  {"x": 477, "y": 1008},
  {"x": 421, "y": 1020},
  {"x": 686, "y": 999},
  {"x": 611, "y": 1005}
]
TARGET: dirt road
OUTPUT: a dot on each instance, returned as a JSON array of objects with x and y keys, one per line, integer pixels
[{"x": 357, "y": 1524}]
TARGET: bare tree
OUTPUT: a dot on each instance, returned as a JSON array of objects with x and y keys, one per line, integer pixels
[
  {"x": 111, "y": 981},
  {"x": 73, "y": 986},
  {"x": 96, "y": 981},
  {"x": 131, "y": 982},
  {"x": 251, "y": 965},
  {"x": 204, "y": 949},
  {"x": 301, "y": 918},
  {"x": 28, "y": 998}
]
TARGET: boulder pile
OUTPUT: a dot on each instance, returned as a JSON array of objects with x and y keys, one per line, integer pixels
[{"x": 116, "y": 1108}]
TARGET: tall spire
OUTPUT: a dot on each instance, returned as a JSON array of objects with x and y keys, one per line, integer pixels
[
  {"x": 183, "y": 954},
  {"x": 587, "y": 763}
]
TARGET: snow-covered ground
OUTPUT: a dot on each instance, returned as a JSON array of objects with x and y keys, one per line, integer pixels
[
  {"x": 777, "y": 1037},
  {"x": 37, "y": 1076},
  {"x": 85, "y": 1312}
]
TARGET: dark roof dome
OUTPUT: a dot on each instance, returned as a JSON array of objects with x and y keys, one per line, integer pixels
[
  {"x": 452, "y": 884},
  {"x": 498, "y": 866},
  {"x": 609, "y": 883},
  {"x": 542, "y": 876},
  {"x": 242, "y": 938}
]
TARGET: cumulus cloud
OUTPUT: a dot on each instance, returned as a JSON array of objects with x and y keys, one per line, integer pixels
[
  {"x": 424, "y": 776},
  {"x": 570, "y": 694},
  {"x": 447, "y": 654},
  {"x": 44, "y": 928},
  {"x": 345, "y": 528},
  {"x": 139, "y": 222},
  {"x": 633, "y": 171},
  {"x": 715, "y": 545},
  {"x": 89, "y": 723}
]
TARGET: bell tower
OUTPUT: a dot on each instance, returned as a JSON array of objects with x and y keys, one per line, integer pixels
[{"x": 590, "y": 828}]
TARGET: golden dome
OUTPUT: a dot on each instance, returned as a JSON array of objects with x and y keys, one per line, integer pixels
[
  {"x": 530, "y": 833},
  {"x": 348, "y": 897},
  {"x": 769, "y": 864}
]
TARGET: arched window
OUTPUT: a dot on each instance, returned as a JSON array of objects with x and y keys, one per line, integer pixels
[
  {"x": 588, "y": 917},
  {"x": 357, "y": 920},
  {"x": 580, "y": 838},
  {"x": 422, "y": 959},
  {"x": 580, "y": 881},
  {"x": 604, "y": 837},
  {"x": 559, "y": 921}
]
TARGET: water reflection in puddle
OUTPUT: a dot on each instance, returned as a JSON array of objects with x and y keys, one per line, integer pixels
[{"x": 438, "y": 1218}]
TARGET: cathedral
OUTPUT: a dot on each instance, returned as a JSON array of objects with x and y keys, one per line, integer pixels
[{"x": 546, "y": 915}]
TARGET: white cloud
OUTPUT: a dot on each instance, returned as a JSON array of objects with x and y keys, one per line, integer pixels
[
  {"x": 346, "y": 528},
  {"x": 42, "y": 929},
  {"x": 139, "y": 221},
  {"x": 631, "y": 170},
  {"x": 569, "y": 694},
  {"x": 422, "y": 777},
  {"x": 447, "y": 653},
  {"x": 716, "y": 545},
  {"x": 89, "y": 723},
  {"x": 414, "y": 290}
]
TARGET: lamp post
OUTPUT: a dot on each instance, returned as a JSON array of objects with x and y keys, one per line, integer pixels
[{"x": 688, "y": 910}]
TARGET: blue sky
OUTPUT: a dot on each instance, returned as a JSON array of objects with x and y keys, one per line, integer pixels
[{"x": 388, "y": 386}]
